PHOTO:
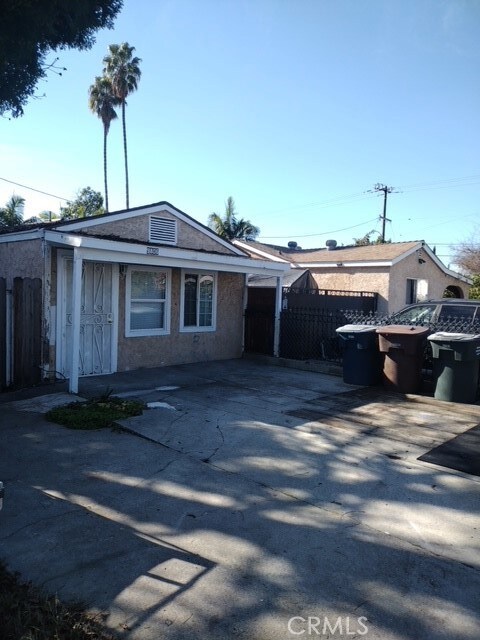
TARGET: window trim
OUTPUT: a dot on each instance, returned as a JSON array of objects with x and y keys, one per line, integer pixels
[
  {"x": 196, "y": 328},
  {"x": 133, "y": 333}
]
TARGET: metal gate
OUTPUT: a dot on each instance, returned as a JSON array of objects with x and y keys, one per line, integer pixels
[{"x": 96, "y": 319}]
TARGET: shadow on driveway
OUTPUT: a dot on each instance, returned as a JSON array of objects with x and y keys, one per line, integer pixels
[{"x": 238, "y": 510}]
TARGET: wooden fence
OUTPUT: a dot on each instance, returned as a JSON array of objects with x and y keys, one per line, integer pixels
[{"x": 21, "y": 333}]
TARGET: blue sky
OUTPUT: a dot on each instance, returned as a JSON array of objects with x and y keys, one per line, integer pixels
[{"x": 295, "y": 108}]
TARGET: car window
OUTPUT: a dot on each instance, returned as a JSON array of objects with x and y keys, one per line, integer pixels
[
  {"x": 457, "y": 312},
  {"x": 422, "y": 313}
]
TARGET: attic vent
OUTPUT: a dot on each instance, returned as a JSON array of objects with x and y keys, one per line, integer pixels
[
  {"x": 292, "y": 244},
  {"x": 331, "y": 244},
  {"x": 163, "y": 230}
]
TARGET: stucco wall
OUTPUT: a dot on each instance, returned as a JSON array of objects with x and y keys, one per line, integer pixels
[
  {"x": 391, "y": 287},
  {"x": 179, "y": 348},
  {"x": 353, "y": 279},
  {"x": 21, "y": 260},
  {"x": 137, "y": 229},
  {"x": 410, "y": 267}
]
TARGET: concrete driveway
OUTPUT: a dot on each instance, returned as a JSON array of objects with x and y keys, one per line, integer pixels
[{"x": 254, "y": 502}]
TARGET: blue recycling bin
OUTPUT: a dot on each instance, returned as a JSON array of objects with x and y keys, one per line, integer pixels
[{"x": 362, "y": 361}]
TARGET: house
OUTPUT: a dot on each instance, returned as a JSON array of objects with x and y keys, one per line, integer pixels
[
  {"x": 143, "y": 287},
  {"x": 399, "y": 272}
]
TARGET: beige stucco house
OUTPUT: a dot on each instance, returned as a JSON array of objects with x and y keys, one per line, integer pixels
[
  {"x": 143, "y": 287},
  {"x": 399, "y": 272}
]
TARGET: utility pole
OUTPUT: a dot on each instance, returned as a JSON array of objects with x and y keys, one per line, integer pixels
[{"x": 386, "y": 190}]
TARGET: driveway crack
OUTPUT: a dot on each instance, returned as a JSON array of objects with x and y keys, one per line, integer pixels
[
  {"x": 216, "y": 450},
  {"x": 44, "y": 519}
]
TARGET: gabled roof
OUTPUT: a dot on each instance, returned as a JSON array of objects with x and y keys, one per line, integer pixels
[
  {"x": 300, "y": 257},
  {"x": 358, "y": 256},
  {"x": 79, "y": 224}
]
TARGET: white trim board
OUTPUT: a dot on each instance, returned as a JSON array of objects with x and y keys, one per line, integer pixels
[{"x": 124, "y": 252}]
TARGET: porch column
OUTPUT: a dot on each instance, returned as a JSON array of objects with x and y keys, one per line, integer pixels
[
  {"x": 76, "y": 305},
  {"x": 278, "y": 310}
]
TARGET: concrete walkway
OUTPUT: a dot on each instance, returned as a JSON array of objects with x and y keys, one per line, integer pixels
[{"x": 255, "y": 502}]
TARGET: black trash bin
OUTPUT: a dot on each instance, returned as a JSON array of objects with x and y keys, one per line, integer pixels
[
  {"x": 403, "y": 346},
  {"x": 456, "y": 359},
  {"x": 362, "y": 361}
]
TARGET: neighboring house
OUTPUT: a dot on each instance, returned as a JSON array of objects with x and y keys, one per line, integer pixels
[
  {"x": 399, "y": 272},
  {"x": 143, "y": 287}
]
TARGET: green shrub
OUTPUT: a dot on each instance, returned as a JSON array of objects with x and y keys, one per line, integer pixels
[
  {"x": 97, "y": 413},
  {"x": 26, "y": 613}
]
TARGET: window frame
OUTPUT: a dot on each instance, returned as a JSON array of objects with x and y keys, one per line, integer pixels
[
  {"x": 132, "y": 333},
  {"x": 197, "y": 328}
]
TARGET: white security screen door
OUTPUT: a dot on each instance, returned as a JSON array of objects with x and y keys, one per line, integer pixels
[{"x": 96, "y": 319}]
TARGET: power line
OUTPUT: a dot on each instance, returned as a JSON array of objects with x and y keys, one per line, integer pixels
[
  {"x": 386, "y": 190},
  {"x": 311, "y": 235},
  {"x": 441, "y": 184},
  {"x": 24, "y": 186},
  {"x": 420, "y": 186},
  {"x": 325, "y": 204}
]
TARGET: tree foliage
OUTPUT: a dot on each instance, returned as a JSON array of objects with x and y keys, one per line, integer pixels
[
  {"x": 230, "y": 227},
  {"x": 467, "y": 255},
  {"x": 474, "y": 293},
  {"x": 87, "y": 203},
  {"x": 102, "y": 103},
  {"x": 122, "y": 69},
  {"x": 367, "y": 239},
  {"x": 11, "y": 215},
  {"x": 31, "y": 29}
]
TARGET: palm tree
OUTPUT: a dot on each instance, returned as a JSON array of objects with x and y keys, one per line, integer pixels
[
  {"x": 123, "y": 71},
  {"x": 11, "y": 215},
  {"x": 229, "y": 226},
  {"x": 102, "y": 101}
]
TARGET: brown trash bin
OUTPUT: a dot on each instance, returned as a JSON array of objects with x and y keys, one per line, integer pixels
[{"x": 403, "y": 346}]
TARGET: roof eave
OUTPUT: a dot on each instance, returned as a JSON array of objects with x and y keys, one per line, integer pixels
[{"x": 133, "y": 253}]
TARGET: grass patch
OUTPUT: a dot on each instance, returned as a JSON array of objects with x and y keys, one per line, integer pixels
[
  {"x": 28, "y": 614},
  {"x": 97, "y": 413}
]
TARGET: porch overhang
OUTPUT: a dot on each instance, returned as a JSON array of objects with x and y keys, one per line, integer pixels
[{"x": 99, "y": 249}]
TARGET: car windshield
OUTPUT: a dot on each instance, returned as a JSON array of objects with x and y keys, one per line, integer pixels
[{"x": 415, "y": 315}]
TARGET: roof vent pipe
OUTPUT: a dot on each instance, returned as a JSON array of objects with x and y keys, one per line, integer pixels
[{"x": 331, "y": 244}]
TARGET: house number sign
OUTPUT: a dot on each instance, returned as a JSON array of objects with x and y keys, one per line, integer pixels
[{"x": 152, "y": 251}]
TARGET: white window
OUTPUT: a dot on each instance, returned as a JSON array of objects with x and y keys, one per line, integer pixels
[
  {"x": 163, "y": 230},
  {"x": 147, "y": 304},
  {"x": 198, "y": 301}
]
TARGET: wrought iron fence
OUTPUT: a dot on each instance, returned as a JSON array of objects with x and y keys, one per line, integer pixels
[
  {"x": 448, "y": 324},
  {"x": 334, "y": 299},
  {"x": 310, "y": 333}
]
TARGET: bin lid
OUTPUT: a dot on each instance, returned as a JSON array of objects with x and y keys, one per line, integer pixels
[
  {"x": 356, "y": 328},
  {"x": 445, "y": 336},
  {"x": 402, "y": 330}
]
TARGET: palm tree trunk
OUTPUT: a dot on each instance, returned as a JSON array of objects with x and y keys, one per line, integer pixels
[
  {"x": 125, "y": 153},
  {"x": 105, "y": 133}
]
